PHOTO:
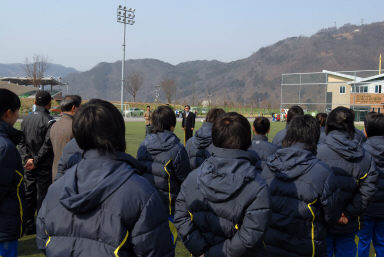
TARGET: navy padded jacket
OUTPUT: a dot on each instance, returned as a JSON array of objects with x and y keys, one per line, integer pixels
[
  {"x": 197, "y": 145},
  {"x": 304, "y": 199},
  {"x": 262, "y": 148},
  {"x": 11, "y": 184},
  {"x": 165, "y": 164},
  {"x": 101, "y": 207},
  {"x": 356, "y": 176},
  {"x": 223, "y": 207}
]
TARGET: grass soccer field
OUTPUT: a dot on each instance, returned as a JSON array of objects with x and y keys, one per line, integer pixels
[{"x": 135, "y": 133}]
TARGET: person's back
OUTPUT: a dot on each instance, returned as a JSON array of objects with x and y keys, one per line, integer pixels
[
  {"x": 223, "y": 205},
  {"x": 292, "y": 112},
  {"x": 372, "y": 222},
  {"x": 321, "y": 119},
  {"x": 197, "y": 146},
  {"x": 356, "y": 176},
  {"x": 304, "y": 194},
  {"x": 260, "y": 144},
  {"x": 11, "y": 176},
  {"x": 101, "y": 206},
  {"x": 164, "y": 158}
]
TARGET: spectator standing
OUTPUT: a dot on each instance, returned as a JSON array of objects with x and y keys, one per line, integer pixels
[
  {"x": 11, "y": 176},
  {"x": 188, "y": 123},
  {"x": 356, "y": 175},
  {"x": 260, "y": 144},
  {"x": 304, "y": 194},
  {"x": 223, "y": 206},
  {"x": 321, "y": 119},
  {"x": 164, "y": 159},
  {"x": 147, "y": 118},
  {"x": 292, "y": 112},
  {"x": 36, "y": 151},
  {"x": 197, "y": 146},
  {"x": 61, "y": 131},
  {"x": 101, "y": 206},
  {"x": 372, "y": 223}
]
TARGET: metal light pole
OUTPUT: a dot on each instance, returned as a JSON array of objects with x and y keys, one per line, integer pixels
[{"x": 125, "y": 16}]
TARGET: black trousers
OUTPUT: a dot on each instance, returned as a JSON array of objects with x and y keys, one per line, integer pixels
[
  {"x": 36, "y": 184},
  {"x": 188, "y": 134}
]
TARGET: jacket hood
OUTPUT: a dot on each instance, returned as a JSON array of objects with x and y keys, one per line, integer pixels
[
  {"x": 291, "y": 162},
  {"x": 375, "y": 146},
  {"x": 203, "y": 137},
  {"x": 348, "y": 149},
  {"x": 94, "y": 179},
  {"x": 160, "y": 142},
  {"x": 225, "y": 172},
  {"x": 13, "y": 134}
]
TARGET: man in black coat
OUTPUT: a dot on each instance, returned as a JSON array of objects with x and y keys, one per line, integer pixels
[
  {"x": 36, "y": 151},
  {"x": 188, "y": 123}
]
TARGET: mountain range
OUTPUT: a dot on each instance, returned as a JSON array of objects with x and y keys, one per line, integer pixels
[{"x": 253, "y": 80}]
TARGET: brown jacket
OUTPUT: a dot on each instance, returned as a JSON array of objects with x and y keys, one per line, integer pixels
[
  {"x": 147, "y": 117},
  {"x": 61, "y": 134}
]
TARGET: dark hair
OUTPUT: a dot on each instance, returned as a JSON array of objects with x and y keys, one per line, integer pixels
[
  {"x": 148, "y": 106},
  {"x": 374, "y": 124},
  {"x": 293, "y": 112},
  {"x": 261, "y": 125},
  {"x": 8, "y": 101},
  {"x": 303, "y": 129},
  {"x": 163, "y": 118},
  {"x": 187, "y": 106},
  {"x": 69, "y": 101},
  {"x": 43, "y": 98},
  {"x": 321, "y": 118},
  {"x": 341, "y": 118},
  {"x": 232, "y": 131},
  {"x": 99, "y": 125},
  {"x": 214, "y": 114}
]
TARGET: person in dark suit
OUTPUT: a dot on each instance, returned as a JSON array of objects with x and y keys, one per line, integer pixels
[{"x": 188, "y": 123}]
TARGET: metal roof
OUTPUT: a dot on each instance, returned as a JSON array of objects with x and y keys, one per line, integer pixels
[{"x": 28, "y": 81}]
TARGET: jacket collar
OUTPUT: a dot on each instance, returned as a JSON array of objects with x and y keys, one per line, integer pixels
[
  {"x": 232, "y": 154},
  {"x": 260, "y": 138},
  {"x": 66, "y": 115},
  {"x": 41, "y": 109},
  {"x": 13, "y": 134}
]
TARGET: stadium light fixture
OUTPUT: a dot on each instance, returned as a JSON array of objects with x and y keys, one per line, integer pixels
[{"x": 125, "y": 16}]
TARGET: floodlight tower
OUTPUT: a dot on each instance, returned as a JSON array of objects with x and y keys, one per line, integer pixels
[{"x": 125, "y": 16}]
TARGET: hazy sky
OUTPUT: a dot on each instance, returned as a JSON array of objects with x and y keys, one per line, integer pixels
[{"x": 82, "y": 33}]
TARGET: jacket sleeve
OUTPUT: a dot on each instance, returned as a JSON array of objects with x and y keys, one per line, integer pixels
[
  {"x": 181, "y": 165},
  {"x": 331, "y": 200},
  {"x": 23, "y": 150},
  {"x": 189, "y": 233},
  {"x": 41, "y": 230},
  {"x": 7, "y": 172},
  {"x": 45, "y": 149},
  {"x": 251, "y": 232},
  {"x": 193, "y": 121},
  {"x": 367, "y": 187},
  {"x": 151, "y": 236}
]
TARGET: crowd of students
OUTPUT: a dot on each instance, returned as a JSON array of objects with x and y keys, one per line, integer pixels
[{"x": 309, "y": 193}]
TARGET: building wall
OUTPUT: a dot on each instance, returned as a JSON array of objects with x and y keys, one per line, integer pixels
[{"x": 339, "y": 99}]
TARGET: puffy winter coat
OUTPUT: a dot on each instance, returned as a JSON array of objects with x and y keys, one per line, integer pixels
[
  {"x": 278, "y": 139},
  {"x": 223, "y": 207},
  {"x": 356, "y": 175},
  {"x": 375, "y": 146},
  {"x": 101, "y": 207},
  {"x": 72, "y": 154},
  {"x": 165, "y": 163},
  {"x": 262, "y": 148},
  {"x": 11, "y": 184},
  {"x": 197, "y": 145},
  {"x": 304, "y": 198},
  {"x": 322, "y": 135}
]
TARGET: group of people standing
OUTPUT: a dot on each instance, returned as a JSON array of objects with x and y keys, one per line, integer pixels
[{"x": 223, "y": 194}]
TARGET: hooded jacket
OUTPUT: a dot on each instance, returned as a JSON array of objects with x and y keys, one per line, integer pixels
[
  {"x": 356, "y": 176},
  {"x": 304, "y": 199},
  {"x": 165, "y": 163},
  {"x": 223, "y": 207},
  {"x": 197, "y": 145},
  {"x": 11, "y": 184},
  {"x": 322, "y": 135},
  {"x": 71, "y": 155},
  {"x": 278, "y": 138},
  {"x": 101, "y": 207},
  {"x": 262, "y": 148},
  {"x": 375, "y": 146}
]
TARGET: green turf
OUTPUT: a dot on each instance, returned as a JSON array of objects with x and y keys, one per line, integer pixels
[{"x": 135, "y": 133}]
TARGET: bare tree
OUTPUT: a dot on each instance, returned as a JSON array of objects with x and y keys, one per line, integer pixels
[
  {"x": 133, "y": 83},
  {"x": 36, "y": 69},
  {"x": 169, "y": 88}
]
